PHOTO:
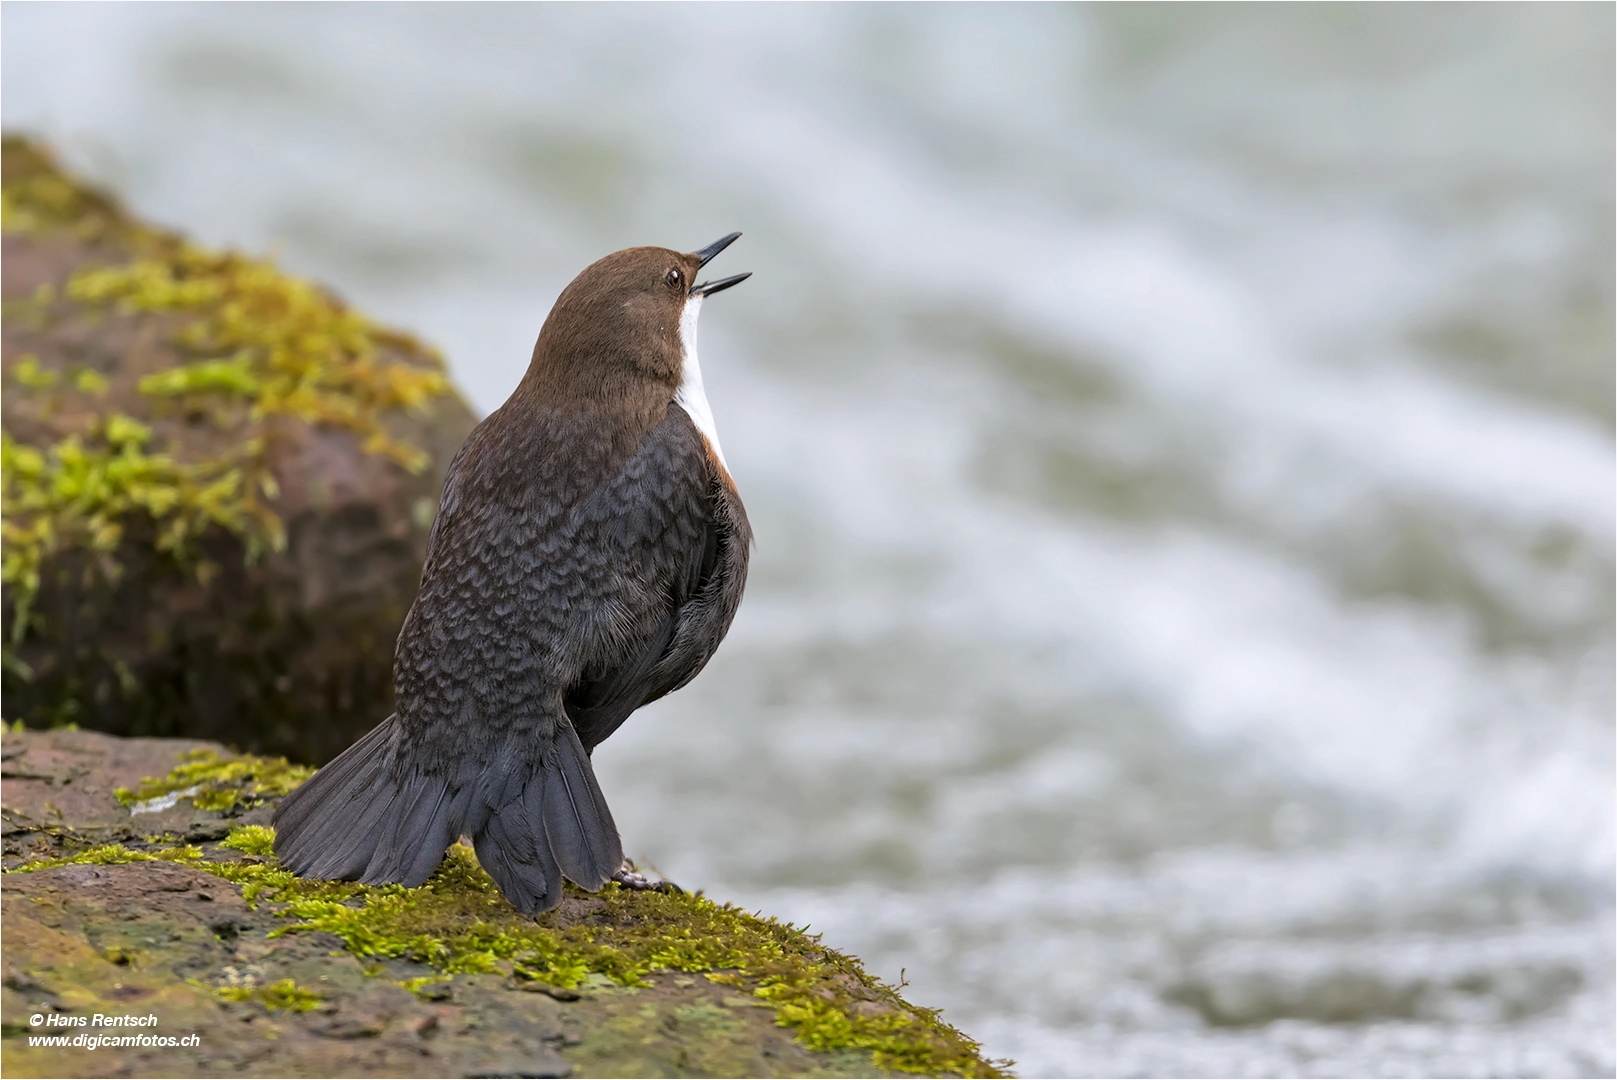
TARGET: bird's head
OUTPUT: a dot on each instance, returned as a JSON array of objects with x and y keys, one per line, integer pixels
[{"x": 626, "y": 325}]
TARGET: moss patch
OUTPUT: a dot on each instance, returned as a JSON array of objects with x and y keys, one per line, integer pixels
[
  {"x": 269, "y": 344},
  {"x": 262, "y": 347},
  {"x": 38, "y": 197},
  {"x": 230, "y": 785},
  {"x": 280, "y": 995},
  {"x": 80, "y": 492}
]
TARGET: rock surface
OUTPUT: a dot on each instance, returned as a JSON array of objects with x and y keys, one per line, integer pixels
[
  {"x": 218, "y": 482},
  {"x": 168, "y": 937}
]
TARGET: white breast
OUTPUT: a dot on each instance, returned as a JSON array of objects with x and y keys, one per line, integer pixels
[{"x": 691, "y": 397}]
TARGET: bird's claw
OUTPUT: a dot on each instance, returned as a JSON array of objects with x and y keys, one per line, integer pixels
[{"x": 630, "y": 878}]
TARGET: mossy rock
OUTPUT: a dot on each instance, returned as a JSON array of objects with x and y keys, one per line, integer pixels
[
  {"x": 160, "y": 896},
  {"x": 218, "y": 482}
]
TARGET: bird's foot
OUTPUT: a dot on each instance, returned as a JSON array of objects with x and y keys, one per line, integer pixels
[{"x": 631, "y": 877}]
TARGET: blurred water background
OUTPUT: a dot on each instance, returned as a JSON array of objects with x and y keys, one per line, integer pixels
[{"x": 1179, "y": 439}]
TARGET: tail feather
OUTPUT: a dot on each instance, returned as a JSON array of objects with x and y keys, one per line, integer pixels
[
  {"x": 517, "y": 857},
  {"x": 354, "y": 820},
  {"x": 416, "y": 822},
  {"x": 577, "y": 822},
  {"x": 345, "y": 778},
  {"x": 553, "y": 822}
]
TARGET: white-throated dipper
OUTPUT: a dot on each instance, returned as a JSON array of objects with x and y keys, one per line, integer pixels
[{"x": 588, "y": 556}]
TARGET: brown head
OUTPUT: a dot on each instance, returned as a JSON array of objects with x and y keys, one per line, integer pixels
[{"x": 622, "y": 330}]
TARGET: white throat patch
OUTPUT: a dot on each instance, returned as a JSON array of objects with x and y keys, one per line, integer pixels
[{"x": 691, "y": 397}]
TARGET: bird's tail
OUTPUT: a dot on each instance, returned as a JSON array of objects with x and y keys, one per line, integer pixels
[
  {"x": 544, "y": 823},
  {"x": 532, "y": 822},
  {"x": 357, "y": 819}
]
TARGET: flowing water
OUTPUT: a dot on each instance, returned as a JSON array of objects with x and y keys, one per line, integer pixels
[{"x": 1180, "y": 443}]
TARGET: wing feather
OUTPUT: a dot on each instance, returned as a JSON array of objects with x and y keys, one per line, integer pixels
[{"x": 695, "y": 557}]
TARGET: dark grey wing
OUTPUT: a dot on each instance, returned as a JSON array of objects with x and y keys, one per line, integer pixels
[{"x": 689, "y": 532}]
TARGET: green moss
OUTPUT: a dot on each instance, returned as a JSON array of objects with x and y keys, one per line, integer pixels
[
  {"x": 28, "y": 373},
  {"x": 283, "y": 994},
  {"x": 458, "y": 923},
  {"x": 262, "y": 347},
  {"x": 115, "y": 855},
  {"x": 425, "y": 986},
  {"x": 37, "y": 197},
  {"x": 92, "y": 382},
  {"x": 276, "y": 344},
  {"x": 229, "y": 785},
  {"x": 251, "y": 839},
  {"x": 79, "y": 493}
]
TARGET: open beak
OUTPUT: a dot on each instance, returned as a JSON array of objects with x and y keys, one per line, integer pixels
[{"x": 705, "y": 256}]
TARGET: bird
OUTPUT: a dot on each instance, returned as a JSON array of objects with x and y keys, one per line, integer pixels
[{"x": 588, "y": 556}]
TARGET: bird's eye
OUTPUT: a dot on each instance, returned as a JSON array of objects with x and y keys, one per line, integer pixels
[{"x": 674, "y": 278}]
